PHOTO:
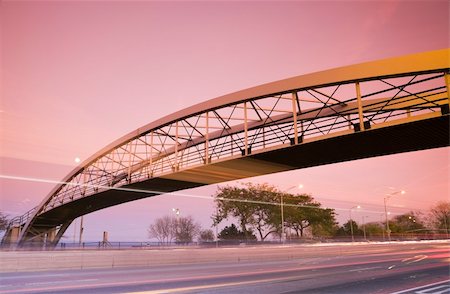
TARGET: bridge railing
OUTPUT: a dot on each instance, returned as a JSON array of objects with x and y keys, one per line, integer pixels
[{"x": 18, "y": 222}]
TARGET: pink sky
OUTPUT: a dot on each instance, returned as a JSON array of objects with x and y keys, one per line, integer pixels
[{"x": 75, "y": 76}]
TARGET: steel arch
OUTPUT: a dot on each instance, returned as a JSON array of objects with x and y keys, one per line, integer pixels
[{"x": 194, "y": 145}]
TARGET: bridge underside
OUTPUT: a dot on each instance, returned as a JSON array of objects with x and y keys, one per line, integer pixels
[{"x": 412, "y": 136}]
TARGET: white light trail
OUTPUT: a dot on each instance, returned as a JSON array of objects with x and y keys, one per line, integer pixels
[{"x": 177, "y": 194}]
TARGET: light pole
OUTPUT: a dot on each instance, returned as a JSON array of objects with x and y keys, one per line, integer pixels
[
  {"x": 177, "y": 212},
  {"x": 382, "y": 226},
  {"x": 446, "y": 225},
  {"x": 299, "y": 186},
  {"x": 364, "y": 226},
  {"x": 217, "y": 229},
  {"x": 388, "y": 196},
  {"x": 351, "y": 221}
]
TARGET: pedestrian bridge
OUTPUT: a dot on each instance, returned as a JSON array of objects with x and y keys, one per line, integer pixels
[{"x": 359, "y": 111}]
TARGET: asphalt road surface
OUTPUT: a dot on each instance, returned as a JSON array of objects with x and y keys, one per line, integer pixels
[{"x": 420, "y": 268}]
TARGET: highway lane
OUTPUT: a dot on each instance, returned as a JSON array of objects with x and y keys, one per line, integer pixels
[{"x": 377, "y": 268}]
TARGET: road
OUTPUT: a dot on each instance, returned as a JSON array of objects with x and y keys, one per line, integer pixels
[{"x": 365, "y": 268}]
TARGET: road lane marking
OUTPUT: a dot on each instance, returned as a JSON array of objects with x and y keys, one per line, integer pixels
[
  {"x": 422, "y": 287},
  {"x": 410, "y": 260},
  {"x": 203, "y": 287},
  {"x": 419, "y": 258},
  {"x": 414, "y": 259},
  {"x": 433, "y": 290},
  {"x": 47, "y": 283},
  {"x": 34, "y": 276},
  {"x": 58, "y": 282},
  {"x": 109, "y": 284},
  {"x": 364, "y": 269}
]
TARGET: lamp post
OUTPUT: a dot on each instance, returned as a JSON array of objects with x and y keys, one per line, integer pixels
[
  {"x": 382, "y": 226},
  {"x": 299, "y": 186},
  {"x": 351, "y": 221},
  {"x": 177, "y": 213},
  {"x": 364, "y": 226},
  {"x": 388, "y": 196},
  {"x": 217, "y": 229}
]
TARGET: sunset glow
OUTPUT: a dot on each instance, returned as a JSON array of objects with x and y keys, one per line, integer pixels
[{"x": 78, "y": 75}]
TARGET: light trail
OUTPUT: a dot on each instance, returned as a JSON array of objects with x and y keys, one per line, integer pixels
[{"x": 177, "y": 194}]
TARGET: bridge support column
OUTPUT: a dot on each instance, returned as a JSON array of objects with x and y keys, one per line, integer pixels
[
  {"x": 177, "y": 165},
  {"x": 207, "y": 159},
  {"x": 447, "y": 84},
  {"x": 245, "y": 130},
  {"x": 150, "y": 167},
  {"x": 294, "y": 116},
  {"x": 50, "y": 238},
  {"x": 360, "y": 109},
  {"x": 13, "y": 237}
]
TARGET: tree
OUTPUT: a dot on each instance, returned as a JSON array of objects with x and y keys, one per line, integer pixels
[
  {"x": 250, "y": 205},
  {"x": 206, "y": 236},
  {"x": 408, "y": 222},
  {"x": 186, "y": 229},
  {"x": 327, "y": 227},
  {"x": 163, "y": 229},
  {"x": 257, "y": 207},
  {"x": 346, "y": 229},
  {"x": 3, "y": 221},
  {"x": 374, "y": 229},
  {"x": 439, "y": 217},
  {"x": 302, "y": 211},
  {"x": 168, "y": 228},
  {"x": 233, "y": 233}
]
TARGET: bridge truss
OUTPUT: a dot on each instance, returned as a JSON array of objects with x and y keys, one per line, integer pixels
[{"x": 274, "y": 116}]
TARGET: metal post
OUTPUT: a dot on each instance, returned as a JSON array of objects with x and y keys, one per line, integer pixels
[
  {"x": 388, "y": 231},
  {"x": 351, "y": 225},
  {"x": 446, "y": 225},
  {"x": 282, "y": 218},
  {"x": 294, "y": 116},
  {"x": 130, "y": 164},
  {"x": 364, "y": 227},
  {"x": 217, "y": 229},
  {"x": 150, "y": 167},
  {"x": 177, "y": 213},
  {"x": 447, "y": 84},
  {"x": 245, "y": 129},
  {"x": 282, "y": 210},
  {"x": 351, "y": 222},
  {"x": 176, "y": 146},
  {"x": 207, "y": 139},
  {"x": 84, "y": 183},
  {"x": 360, "y": 109}
]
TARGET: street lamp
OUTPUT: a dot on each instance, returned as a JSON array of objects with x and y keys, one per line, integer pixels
[
  {"x": 382, "y": 226},
  {"x": 351, "y": 221},
  {"x": 177, "y": 212},
  {"x": 364, "y": 226},
  {"x": 388, "y": 196},
  {"x": 299, "y": 186}
]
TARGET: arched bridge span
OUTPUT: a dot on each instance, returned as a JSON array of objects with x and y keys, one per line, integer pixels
[{"x": 371, "y": 109}]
